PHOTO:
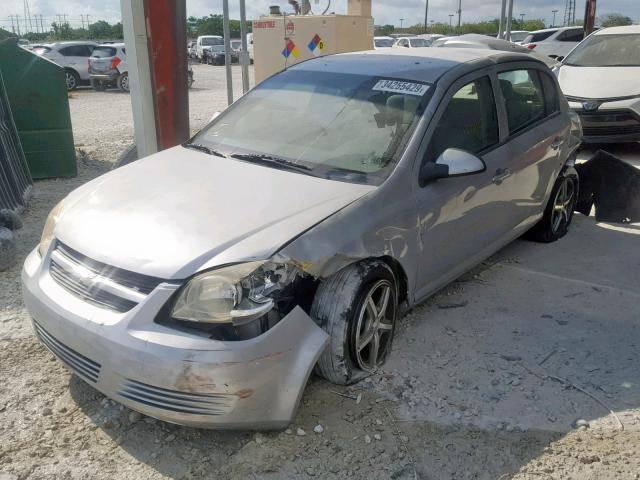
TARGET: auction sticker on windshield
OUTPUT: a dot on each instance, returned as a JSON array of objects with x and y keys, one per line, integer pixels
[{"x": 397, "y": 86}]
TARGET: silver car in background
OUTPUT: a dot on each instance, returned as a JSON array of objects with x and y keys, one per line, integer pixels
[
  {"x": 72, "y": 56},
  {"x": 201, "y": 285}
]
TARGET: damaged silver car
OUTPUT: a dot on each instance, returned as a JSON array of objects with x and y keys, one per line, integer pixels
[{"x": 203, "y": 284}]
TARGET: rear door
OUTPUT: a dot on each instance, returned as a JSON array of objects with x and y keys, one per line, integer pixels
[
  {"x": 75, "y": 57},
  {"x": 537, "y": 129}
]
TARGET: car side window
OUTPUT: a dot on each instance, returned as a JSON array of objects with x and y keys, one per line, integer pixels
[
  {"x": 70, "y": 51},
  {"x": 469, "y": 122},
  {"x": 523, "y": 99},
  {"x": 576, "y": 35},
  {"x": 550, "y": 91}
]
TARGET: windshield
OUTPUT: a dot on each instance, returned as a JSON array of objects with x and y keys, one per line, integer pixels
[
  {"x": 419, "y": 42},
  {"x": 212, "y": 41},
  {"x": 606, "y": 51},
  {"x": 338, "y": 126},
  {"x": 217, "y": 48},
  {"x": 383, "y": 42}
]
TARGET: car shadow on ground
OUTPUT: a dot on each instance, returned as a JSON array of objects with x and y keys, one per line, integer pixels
[{"x": 483, "y": 377}]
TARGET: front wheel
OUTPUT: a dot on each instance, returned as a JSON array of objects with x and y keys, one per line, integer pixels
[
  {"x": 357, "y": 307},
  {"x": 558, "y": 214},
  {"x": 123, "y": 82}
]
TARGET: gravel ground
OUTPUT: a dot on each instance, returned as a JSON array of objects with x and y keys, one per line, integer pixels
[{"x": 510, "y": 372}]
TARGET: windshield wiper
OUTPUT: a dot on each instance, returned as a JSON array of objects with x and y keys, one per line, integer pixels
[
  {"x": 203, "y": 148},
  {"x": 272, "y": 161}
]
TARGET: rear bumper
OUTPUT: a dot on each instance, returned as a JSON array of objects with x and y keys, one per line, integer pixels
[
  {"x": 170, "y": 375},
  {"x": 108, "y": 76}
]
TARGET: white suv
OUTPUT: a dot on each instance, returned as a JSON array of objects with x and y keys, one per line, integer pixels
[
  {"x": 72, "y": 56},
  {"x": 554, "y": 42},
  {"x": 108, "y": 67}
]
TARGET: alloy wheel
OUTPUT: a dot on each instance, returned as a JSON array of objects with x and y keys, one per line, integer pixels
[
  {"x": 563, "y": 205},
  {"x": 374, "y": 328},
  {"x": 71, "y": 80}
]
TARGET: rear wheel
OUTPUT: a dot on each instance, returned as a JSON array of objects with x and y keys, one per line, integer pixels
[
  {"x": 357, "y": 307},
  {"x": 558, "y": 214},
  {"x": 72, "y": 79},
  {"x": 123, "y": 82}
]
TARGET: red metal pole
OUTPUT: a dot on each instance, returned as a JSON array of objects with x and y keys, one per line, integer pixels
[
  {"x": 167, "y": 32},
  {"x": 589, "y": 16}
]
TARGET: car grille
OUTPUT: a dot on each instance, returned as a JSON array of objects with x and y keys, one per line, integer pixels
[
  {"x": 177, "y": 401},
  {"x": 609, "y": 122},
  {"x": 79, "y": 364},
  {"x": 99, "y": 284}
]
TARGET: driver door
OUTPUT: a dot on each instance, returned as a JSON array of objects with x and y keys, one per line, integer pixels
[{"x": 462, "y": 219}]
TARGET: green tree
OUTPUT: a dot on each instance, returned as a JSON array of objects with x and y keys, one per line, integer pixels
[
  {"x": 384, "y": 30},
  {"x": 100, "y": 29},
  {"x": 614, "y": 20},
  {"x": 116, "y": 31}
]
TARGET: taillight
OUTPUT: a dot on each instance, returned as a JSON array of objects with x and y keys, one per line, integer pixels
[
  {"x": 115, "y": 61},
  {"x": 531, "y": 46}
]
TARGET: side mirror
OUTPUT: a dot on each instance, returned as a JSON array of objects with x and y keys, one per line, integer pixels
[{"x": 453, "y": 162}]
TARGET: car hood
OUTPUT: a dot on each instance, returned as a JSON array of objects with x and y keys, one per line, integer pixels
[
  {"x": 599, "y": 82},
  {"x": 179, "y": 211}
]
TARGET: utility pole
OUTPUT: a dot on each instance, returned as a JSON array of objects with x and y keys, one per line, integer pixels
[
  {"x": 18, "y": 24},
  {"x": 27, "y": 17},
  {"x": 522, "y": 17},
  {"x": 13, "y": 29},
  {"x": 509, "y": 21},
  {"x": 503, "y": 10},
  {"x": 459, "y": 14},
  {"x": 244, "y": 54},
  {"x": 41, "y": 24},
  {"x": 401, "y": 20},
  {"x": 553, "y": 23},
  {"x": 426, "y": 14},
  {"x": 35, "y": 17},
  {"x": 450, "y": 21}
]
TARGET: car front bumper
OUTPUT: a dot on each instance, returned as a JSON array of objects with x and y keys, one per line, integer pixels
[
  {"x": 168, "y": 374},
  {"x": 611, "y": 122}
]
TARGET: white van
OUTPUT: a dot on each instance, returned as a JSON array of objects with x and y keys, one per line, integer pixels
[{"x": 205, "y": 42}]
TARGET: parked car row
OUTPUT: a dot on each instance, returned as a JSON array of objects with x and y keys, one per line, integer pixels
[
  {"x": 209, "y": 49},
  {"x": 88, "y": 63}
]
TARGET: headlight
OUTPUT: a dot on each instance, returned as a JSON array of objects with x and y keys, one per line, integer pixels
[
  {"x": 237, "y": 294},
  {"x": 49, "y": 227}
]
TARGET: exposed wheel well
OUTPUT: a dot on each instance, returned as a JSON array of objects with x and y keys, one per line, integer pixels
[{"x": 400, "y": 275}]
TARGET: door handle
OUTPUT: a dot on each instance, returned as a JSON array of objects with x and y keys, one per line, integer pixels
[
  {"x": 557, "y": 142},
  {"x": 500, "y": 175}
]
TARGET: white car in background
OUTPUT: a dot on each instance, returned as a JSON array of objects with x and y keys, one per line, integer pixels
[
  {"x": 554, "y": 42},
  {"x": 204, "y": 43},
  {"x": 72, "y": 56},
  {"x": 412, "y": 42},
  {"x": 383, "y": 42},
  {"x": 108, "y": 67},
  {"x": 517, "y": 36},
  {"x": 601, "y": 80}
]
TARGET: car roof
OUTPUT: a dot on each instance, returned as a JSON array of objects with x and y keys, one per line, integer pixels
[
  {"x": 72, "y": 42},
  {"x": 422, "y": 64},
  {"x": 618, "y": 30},
  {"x": 556, "y": 29}
]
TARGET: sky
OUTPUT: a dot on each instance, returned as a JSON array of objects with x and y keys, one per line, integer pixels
[{"x": 384, "y": 12}]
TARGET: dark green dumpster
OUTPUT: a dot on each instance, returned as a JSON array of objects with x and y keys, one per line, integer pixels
[{"x": 38, "y": 99}]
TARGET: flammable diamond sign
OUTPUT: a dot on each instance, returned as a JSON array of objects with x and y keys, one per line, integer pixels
[
  {"x": 316, "y": 45},
  {"x": 290, "y": 49}
]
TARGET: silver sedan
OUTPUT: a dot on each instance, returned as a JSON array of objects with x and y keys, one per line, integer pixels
[{"x": 201, "y": 285}]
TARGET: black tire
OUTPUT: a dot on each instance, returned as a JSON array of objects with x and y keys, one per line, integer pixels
[
  {"x": 72, "y": 79},
  {"x": 549, "y": 229},
  {"x": 123, "y": 82},
  {"x": 337, "y": 306},
  {"x": 98, "y": 85}
]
